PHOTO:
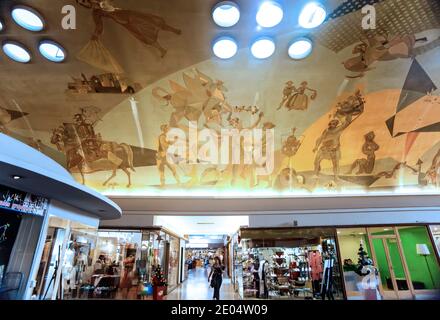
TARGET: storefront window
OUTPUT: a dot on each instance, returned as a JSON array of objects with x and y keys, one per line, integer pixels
[
  {"x": 78, "y": 269},
  {"x": 9, "y": 226},
  {"x": 420, "y": 257},
  {"x": 290, "y": 263},
  {"x": 173, "y": 262},
  {"x": 360, "y": 274},
  {"x": 435, "y": 231}
]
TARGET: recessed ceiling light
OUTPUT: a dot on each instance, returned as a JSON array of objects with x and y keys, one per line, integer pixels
[
  {"x": 269, "y": 14},
  {"x": 52, "y": 51},
  {"x": 1, "y": 25},
  {"x": 226, "y": 14},
  {"x": 16, "y": 52},
  {"x": 386, "y": 229},
  {"x": 263, "y": 48},
  {"x": 300, "y": 48},
  {"x": 312, "y": 15},
  {"x": 225, "y": 47},
  {"x": 27, "y": 18},
  {"x": 16, "y": 177}
]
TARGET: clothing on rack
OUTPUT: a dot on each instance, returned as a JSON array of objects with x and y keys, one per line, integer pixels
[{"x": 315, "y": 262}]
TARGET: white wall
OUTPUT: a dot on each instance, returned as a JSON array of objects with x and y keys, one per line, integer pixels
[
  {"x": 346, "y": 218},
  {"x": 349, "y": 247}
]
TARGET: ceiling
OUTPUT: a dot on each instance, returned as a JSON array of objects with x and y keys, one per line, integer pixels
[
  {"x": 202, "y": 225},
  {"x": 393, "y": 92}
]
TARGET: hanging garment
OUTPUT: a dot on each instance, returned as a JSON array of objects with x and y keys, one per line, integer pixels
[{"x": 315, "y": 263}]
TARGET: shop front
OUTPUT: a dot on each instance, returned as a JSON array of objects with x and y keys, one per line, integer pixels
[
  {"x": 111, "y": 263},
  {"x": 360, "y": 263},
  {"x": 389, "y": 262},
  {"x": 21, "y": 218},
  {"x": 288, "y": 263}
]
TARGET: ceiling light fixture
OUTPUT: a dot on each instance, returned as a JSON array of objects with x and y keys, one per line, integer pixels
[
  {"x": 301, "y": 48},
  {"x": 16, "y": 52},
  {"x": 263, "y": 48},
  {"x": 269, "y": 14},
  {"x": 225, "y": 47},
  {"x": 52, "y": 51},
  {"x": 15, "y": 177},
  {"x": 312, "y": 15},
  {"x": 226, "y": 14},
  {"x": 1, "y": 25},
  {"x": 27, "y": 18}
]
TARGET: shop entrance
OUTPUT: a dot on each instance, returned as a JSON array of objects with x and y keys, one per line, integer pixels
[{"x": 387, "y": 251}]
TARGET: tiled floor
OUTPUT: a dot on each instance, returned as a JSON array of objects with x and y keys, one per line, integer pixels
[{"x": 196, "y": 287}]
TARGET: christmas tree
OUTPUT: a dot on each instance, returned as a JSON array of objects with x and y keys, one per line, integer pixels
[
  {"x": 363, "y": 260},
  {"x": 158, "y": 277}
]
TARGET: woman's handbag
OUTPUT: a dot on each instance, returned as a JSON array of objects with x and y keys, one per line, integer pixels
[{"x": 213, "y": 282}]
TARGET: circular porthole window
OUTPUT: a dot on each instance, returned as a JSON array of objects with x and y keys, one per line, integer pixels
[
  {"x": 16, "y": 52},
  {"x": 52, "y": 51},
  {"x": 300, "y": 48},
  {"x": 226, "y": 14},
  {"x": 269, "y": 14},
  {"x": 225, "y": 48},
  {"x": 263, "y": 48},
  {"x": 28, "y": 18}
]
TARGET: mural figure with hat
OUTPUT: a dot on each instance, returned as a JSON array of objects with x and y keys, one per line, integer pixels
[
  {"x": 87, "y": 152},
  {"x": 369, "y": 148},
  {"x": 296, "y": 98},
  {"x": 162, "y": 151}
]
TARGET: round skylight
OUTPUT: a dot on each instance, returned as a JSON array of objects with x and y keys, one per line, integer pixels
[
  {"x": 52, "y": 51},
  {"x": 300, "y": 48},
  {"x": 269, "y": 14},
  {"x": 16, "y": 52},
  {"x": 263, "y": 48},
  {"x": 312, "y": 15},
  {"x": 226, "y": 14},
  {"x": 225, "y": 48},
  {"x": 27, "y": 18}
]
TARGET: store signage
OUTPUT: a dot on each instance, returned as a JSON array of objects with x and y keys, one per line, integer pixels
[{"x": 22, "y": 202}]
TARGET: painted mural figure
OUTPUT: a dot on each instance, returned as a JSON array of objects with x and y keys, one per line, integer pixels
[
  {"x": 296, "y": 98},
  {"x": 369, "y": 148},
  {"x": 328, "y": 146},
  {"x": 143, "y": 26},
  {"x": 161, "y": 158},
  {"x": 380, "y": 48},
  {"x": 86, "y": 152}
]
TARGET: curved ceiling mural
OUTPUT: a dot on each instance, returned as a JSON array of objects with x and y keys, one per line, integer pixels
[{"x": 141, "y": 106}]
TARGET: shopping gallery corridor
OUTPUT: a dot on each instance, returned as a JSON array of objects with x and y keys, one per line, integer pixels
[
  {"x": 295, "y": 142},
  {"x": 196, "y": 287}
]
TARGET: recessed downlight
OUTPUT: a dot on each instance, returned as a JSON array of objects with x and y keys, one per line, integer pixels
[
  {"x": 16, "y": 52},
  {"x": 226, "y": 14},
  {"x": 16, "y": 177},
  {"x": 263, "y": 48},
  {"x": 300, "y": 48},
  {"x": 225, "y": 47},
  {"x": 28, "y": 18},
  {"x": 1, "y": 26},
  {"x": 52, "y": 51},
  {"x": 269, "y": 14},
  {"x": 312, "y": 15}
]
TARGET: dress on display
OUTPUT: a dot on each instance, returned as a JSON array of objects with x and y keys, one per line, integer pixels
[{"x": 315, "y": 263}]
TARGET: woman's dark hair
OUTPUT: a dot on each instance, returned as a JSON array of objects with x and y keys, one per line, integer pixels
[{"x": 217, "y": 259}]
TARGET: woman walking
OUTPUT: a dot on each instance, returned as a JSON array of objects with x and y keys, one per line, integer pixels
[{"x": 216, "y": 277}]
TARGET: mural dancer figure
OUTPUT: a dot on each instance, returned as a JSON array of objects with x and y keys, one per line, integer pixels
[
  {"x": 369, "y": 148},
  {"x": 86, "y": 152},
  {"x": 328, "y": 146},
  {"x": 161, "y": 157},
  {"x": 296, "y": 98},
  {"x": 144, "y": 27}
]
